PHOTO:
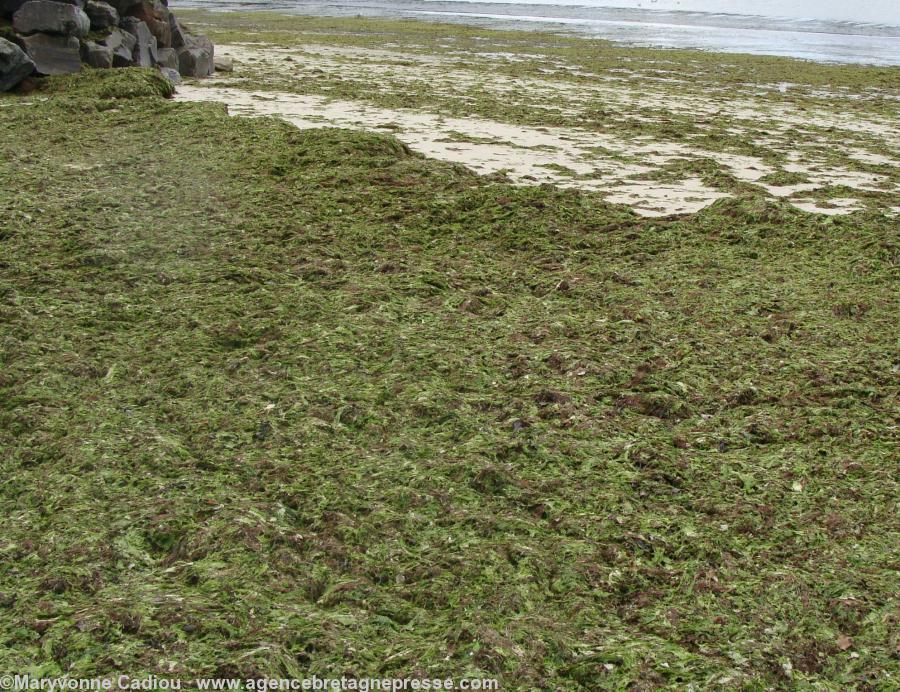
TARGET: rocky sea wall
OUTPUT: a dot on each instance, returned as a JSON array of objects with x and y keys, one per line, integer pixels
[{"x": 51, "y": 37}]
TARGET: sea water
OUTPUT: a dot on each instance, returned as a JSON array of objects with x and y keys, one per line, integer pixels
[{"x": 867, "y": 31}]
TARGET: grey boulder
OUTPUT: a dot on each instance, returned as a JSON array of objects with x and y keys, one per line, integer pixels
[
  {"x": 101, "y": 14},
  {"x": 123, "y": 6},
  {"x": 52, "y": 18},
  {"x": 176, "y": 31},
  {"x": 194, "y": 62},
  {"x": 161, "y": 31},
  {"x": 145, "y": 54},
  {"x": 53, "y": 54},
  {"x": 223, "y": 64},
  {"x": 9, "y": 7},
  {"x": 96, "y": 55},
  {"x": 15, "y": 65},
  {"x": 122, "y": 45},
  {"x": 196, "y": 57},
  {"x": 156, "y": 16},
  {"x": 167, "y": 57}
]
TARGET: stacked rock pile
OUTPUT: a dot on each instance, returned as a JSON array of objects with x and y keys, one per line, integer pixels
[{"x": 50, "y": 37}]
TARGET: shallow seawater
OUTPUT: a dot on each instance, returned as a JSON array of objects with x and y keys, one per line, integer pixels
[{"x": 810, "y": 30}]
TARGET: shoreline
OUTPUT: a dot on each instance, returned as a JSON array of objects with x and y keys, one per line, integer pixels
[
  {"x": 729, "y": 35},
  {"x": 653, "y": 129}
]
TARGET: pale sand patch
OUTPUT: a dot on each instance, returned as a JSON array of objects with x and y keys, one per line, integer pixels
[
  {"x": 790, "y": 190},
  {"x": 517, "y": 156},
  {"x": 872, "y": 158},
  {"x": 566, "y": 157},
  {"x": 661, "y": 199},
  {"x": 756, "y": 108},
  {"x": 836, "y": 206}
]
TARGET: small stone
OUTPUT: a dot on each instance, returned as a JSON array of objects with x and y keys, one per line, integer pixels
[
  {"x": 51, "y": 17},
  {"x": 101, "y": 14},
  {"x": 53, "y": 54},
  {"x": 15, "y": 65},
  {"x": 223, "y": 64}
]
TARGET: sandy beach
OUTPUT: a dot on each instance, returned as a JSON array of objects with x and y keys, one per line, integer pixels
[{"x": 682, "y": 142}]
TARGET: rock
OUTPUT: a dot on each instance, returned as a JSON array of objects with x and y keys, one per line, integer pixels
[
  {"x": 123, "y": 6},
  {"x": 96, "y": 55},
  {"x": 15, "y": 65},
  {"x": 145, "y": 49},
  {"x": 9, "y": 7},
  {"x": 53, "y": 54},
  {"x": 171, "y": 75},
  {"x": 194, "y": 62},
  {"x": 122, "y": 45},
  {"x": 156, "y": 16},
  {"x": 101, "y": 14},
  {"x": 223, "y": 64},
  {"x": 161, "y": 31},
  {"x": 202, "y": 42},
  {"x": 167, "y": 57},
  {"x": 196, "y": 56},
  {"x": 51, "y": 17},
  {"x": 177, "y": 32}
]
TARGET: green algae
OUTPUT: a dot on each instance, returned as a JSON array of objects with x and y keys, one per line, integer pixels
[
  {"x": 280, "y": 403},
  {"x": 131, "y": 83}
]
